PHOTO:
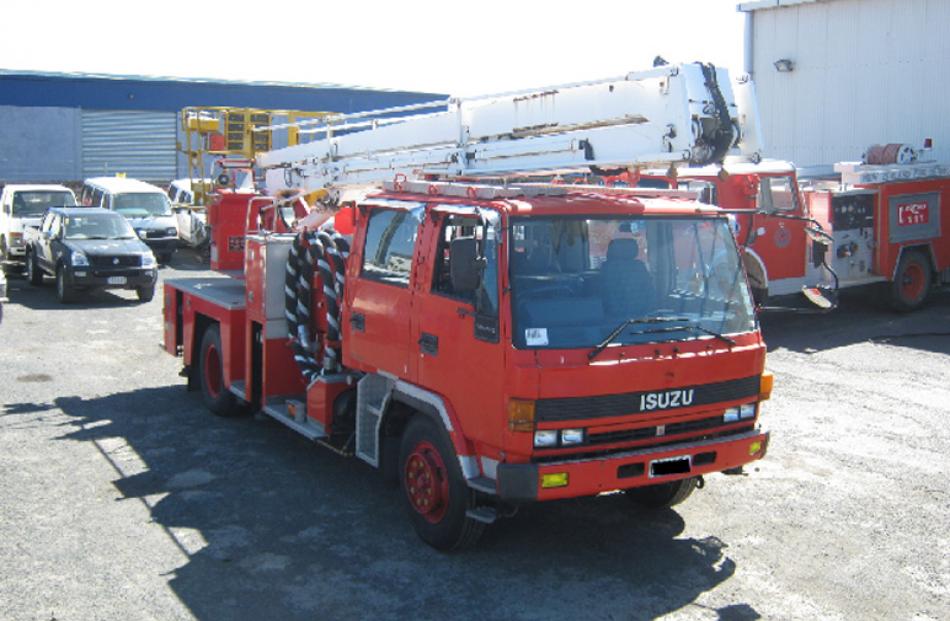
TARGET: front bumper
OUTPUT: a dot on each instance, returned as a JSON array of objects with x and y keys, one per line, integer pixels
[
  {"x": 162, "y": 246},
  {"x": 623, "y": 470},
  {"x": 82, "y": 277}
]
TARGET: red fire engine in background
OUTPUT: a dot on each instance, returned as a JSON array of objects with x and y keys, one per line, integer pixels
[
  {"x": 884, "y": 221},
  {"x": 484, "y": 344}
]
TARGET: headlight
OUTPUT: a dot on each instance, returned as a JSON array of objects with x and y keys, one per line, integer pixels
[
  {"x": 731, "y": 415},
  {"x": 16, "y": 239},
  {"x": 171, "y": 232},
  {"x": 545, "y": 438},
  {"x": 744, "y": 411},
  {"x": 148, "y": 260},
  {"x": 572, "y": 436},
  {"x": 747, "y": 410},
  {"x": 78, "y": 259},
  {"x": 142, "y": 233}
]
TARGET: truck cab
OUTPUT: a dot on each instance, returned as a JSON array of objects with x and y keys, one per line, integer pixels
[
  {"x": 22, "y": 207},
  {"x": 773, "y": 239}
]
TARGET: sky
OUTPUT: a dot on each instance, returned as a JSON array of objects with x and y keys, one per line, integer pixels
[{"x": 459, "y": 48}]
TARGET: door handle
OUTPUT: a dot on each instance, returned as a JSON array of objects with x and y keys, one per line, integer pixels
[
  {"x": 358, "y": 321},
  {"x": 429, "y": 344}
]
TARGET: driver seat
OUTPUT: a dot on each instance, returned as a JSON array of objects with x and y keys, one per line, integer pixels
[{"x": 627, "y": 287}]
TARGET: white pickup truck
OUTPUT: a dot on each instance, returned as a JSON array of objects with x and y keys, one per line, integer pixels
[
  {"x": 192, "y": 218},
  {"x": 23, "y": 206}
]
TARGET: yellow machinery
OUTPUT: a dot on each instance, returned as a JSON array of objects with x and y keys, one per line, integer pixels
[{"x": 234, "y": 136}]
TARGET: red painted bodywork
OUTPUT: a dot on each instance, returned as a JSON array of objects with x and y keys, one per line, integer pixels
[
  {"x": 227, "y": 217},
  {"x": 888, "y": 254}
]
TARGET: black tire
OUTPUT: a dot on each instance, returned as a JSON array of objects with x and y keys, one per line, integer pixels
[
  {"x": 64, "y": 293},
  {"x": 145, "y": 293},
  {"x": 664, "y": 495},
  {"x": 912, "y": 282},
  {"x": 216, "y": 395},
  {"x": 33, "y": 272},
  {"x": 426, "y": 457}
]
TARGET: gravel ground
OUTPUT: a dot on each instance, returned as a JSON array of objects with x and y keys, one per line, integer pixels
[{"x": 123, "y": 499}]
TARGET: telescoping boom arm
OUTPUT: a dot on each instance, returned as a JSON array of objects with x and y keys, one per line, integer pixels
[{"x": 671, "y": 114}]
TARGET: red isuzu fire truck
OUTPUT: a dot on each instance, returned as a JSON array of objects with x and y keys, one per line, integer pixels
[
  {"x": 488, "y": 345},
  {"x": 884, "y": 221}
]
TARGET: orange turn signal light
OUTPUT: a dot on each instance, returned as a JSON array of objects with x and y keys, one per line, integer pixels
[
  {"x": 765, "y": 386},
  {"x": 520, "y": 415}
]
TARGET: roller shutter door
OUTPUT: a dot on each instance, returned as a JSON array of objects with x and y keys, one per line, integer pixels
[{"x": 139, "y": 144}]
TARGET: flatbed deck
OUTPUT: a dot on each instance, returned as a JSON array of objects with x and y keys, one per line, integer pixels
[{"x": 224, "y": 291}]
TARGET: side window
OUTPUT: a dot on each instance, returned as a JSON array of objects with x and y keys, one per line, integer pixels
[
  {"x": 47, "y": 221},
  {"x": 455, "y": 227},
  {"x": 107, "y": 201},
  {"x": 390, "y": 243},
  {"x": 172, "y": 190},
  {"x": 777, "y": 194},
  {"x": 96, "y": 198},
  {"x": 54, "y": 226}
]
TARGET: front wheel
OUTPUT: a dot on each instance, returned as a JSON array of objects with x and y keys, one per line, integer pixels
[
  {"x": 436, "y": 496},
  {"x": 663, "y": 495},
  {"x": 912, "y": 282},
  {"x": 216, "y": 395},
  {"x": 64, "y": 292},
  {"x": 33, "y": 272},
  {"x": 145, "y": 293}
]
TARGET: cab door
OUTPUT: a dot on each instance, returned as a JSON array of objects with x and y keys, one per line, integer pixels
[
  {"x": 456, "y": 338},
  {"x": 376, "y": 326},
  {"x": 782, "y": 245},
  {"x": 49, "y": 233}
]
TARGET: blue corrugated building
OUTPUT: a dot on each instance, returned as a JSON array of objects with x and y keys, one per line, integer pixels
[{"x": 65, "y": 127}]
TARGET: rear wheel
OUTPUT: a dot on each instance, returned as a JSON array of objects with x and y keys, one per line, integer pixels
[
  {"x": 145, "y": 293},
  {"x": 663, "y": 495},
  {"x": 216, "y": 395},
  {"x": 436, "y": 496},
  {"x": 64, "y": 292},
  {"x": 33, "y": 272},
  {"x": 912, "y": 282}
]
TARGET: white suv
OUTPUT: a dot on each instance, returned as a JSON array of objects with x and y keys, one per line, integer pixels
[
  {"x": 146, "y": 207},
  {"x": 23, "y": 206}
]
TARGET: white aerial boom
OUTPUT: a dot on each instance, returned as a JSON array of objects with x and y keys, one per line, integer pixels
[{"x": 686, "y": 113}]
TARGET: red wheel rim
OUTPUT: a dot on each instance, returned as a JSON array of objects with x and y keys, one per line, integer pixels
[
  {"x": 912, "y": 281},
  {"x": 427, "y": 482},
  {"x": 212, "y": 364}
]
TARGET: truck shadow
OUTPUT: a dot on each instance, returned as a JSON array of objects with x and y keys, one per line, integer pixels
[
  {"x": 860, "y": 318},
  {"x": 273, "y": 527}
]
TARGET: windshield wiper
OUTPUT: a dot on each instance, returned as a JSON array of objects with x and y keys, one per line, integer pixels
[
  {"x": 719, "y": 336},
  {"x": 601, "y": 346}
]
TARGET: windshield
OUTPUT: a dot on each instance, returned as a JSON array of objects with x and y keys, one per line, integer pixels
[
  {"x": 141, "y": 204},
  {"x": 34, "y": 204},
  {"x": 97, "y": 226},
  {"x": 575, "y": 281}
]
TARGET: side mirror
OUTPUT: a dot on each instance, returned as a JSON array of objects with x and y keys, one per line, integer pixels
[
  {"x": 465, "y": 267},
  {"x": 818, "y": 250}
]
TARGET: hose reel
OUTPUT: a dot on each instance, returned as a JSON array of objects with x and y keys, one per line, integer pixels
[{"x": 321, "y": 253}]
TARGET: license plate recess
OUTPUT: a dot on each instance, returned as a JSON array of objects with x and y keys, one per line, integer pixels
[{"x": 681, "y": 464}]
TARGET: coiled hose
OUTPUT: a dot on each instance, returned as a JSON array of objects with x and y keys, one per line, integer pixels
[{"x": 322, "y": 253}]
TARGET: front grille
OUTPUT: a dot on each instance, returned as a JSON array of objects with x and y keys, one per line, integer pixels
[
  {"x": 626, "y": 435},
  {"x": 606, "y": 453},
  {"x": 111, "y": 261},
  {"x": 157, "y": 235},
  {"x": 603, "y": 406}
]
